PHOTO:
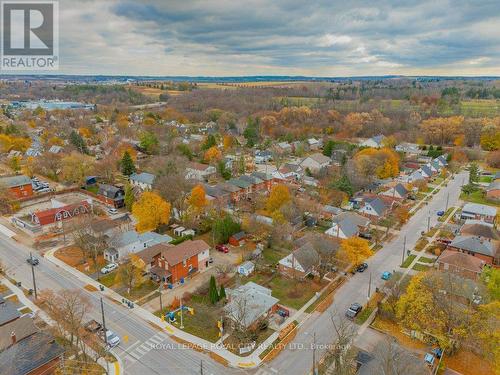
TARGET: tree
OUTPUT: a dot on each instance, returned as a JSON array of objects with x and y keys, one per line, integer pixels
[
  {"x": 223, "y": 171},
  {"x": 222, "y": 293},
  {"x": 212, "y": 291},
  {"x": 493, "y": 159},
  {"x": 15, "y": 164},
  {"x": 77, "y": 141},
  {"x": 212, "y": 155},
  {"x": 355, "y": 249},
  {"x": 151, "y": 210},
  {"x": 149, "y": 142},
  {"x": 490, "y": 138},
  {"x": 127, "y": 164},
  {"x": 209, "y": 142},
  {"x": 392, "y": 359},
  {"x": 491, "y": 278},
  {"x": 251, "y": 132},
  {"x": 197, "y": 199},
  {"x": 228, "y": 142},
  {"x": 328, "y": 148},
  {"x": 473, "y": 173},
  {"x": 223, "y": 228},
  {"x": 76, "y": 166},
  {"x": 129, "y": 274},
  {"x": 402, "y": 214},
  {"x": 87, "y": 241},
  {"x": 278, "y": 196},
  {"x": 129, "y": 197},
  {"x": 343, "y": 184}
]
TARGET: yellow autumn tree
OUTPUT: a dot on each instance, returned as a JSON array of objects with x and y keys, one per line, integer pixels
[
  {"x": 212, "y": 155},
  {"x": 129, "y": 274},
  {"x": 151, "y": 210},
  {"x": 490, "y": 138},
  {"x": 279, "y": 196},
  {"x": 383, "y": 163},
  {"x": 197, "y": 199},
  {"x": 228, "y": 142},
  {"x": 355, "y": 249}
]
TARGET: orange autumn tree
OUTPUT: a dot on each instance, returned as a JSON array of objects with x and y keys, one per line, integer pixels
[
  {"x": 151, "y": 210},
  {"x": 212, "y": 155},
  {"x": 228, "y": 142},
  {"x": 382, "y": 162},
  {"x": 197, "y": 199},
  {"x": 279, "y": 196}
]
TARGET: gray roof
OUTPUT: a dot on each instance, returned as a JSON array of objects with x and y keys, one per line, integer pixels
[
  {"x": 29, "y": 354},
  {"x": 494, "y": 185},
  {"x": 263, "y": 176},
  {"x": 378, "y": 138},
  {"x": 240, "y": 183},
  {"x": 215, "y": 191},
  {"x": 480, "y": 228},
  {"x": 332, "y": 209},
  {"x": 377, "y": 205},
  {"x": 251, "y": 179},
  {"x": 249, "y": 302},
  {"x": 8, "y": 312},
  {"x": 475, "y": 244},
  {"x": 131, "y": 236},
  {"x": 23, "y": 327},
  {"x": 144, "y": 177},
  {"x": 348, "y": 227},
  {"x": 109, "y": 191},
  {"x": 400, "y": 189},
  {"x": 14, "y": 181},
  {"x": 426, "y": 170},
  {"x": 307, "y": 257},
  {"x": 479, "y": 209}
]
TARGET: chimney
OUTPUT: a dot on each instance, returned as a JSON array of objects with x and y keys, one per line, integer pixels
[{"x": 13, "y": 337}]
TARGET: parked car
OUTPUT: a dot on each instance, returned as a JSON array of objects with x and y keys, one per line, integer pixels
[
  {"x": 112, "y": 211},
  {"x": 222, "y": 248},
  {"x": 33, "y": 261},
  {"x": 109, "y": 268},
  {"x": 366, "y": 236},
  {"x": 362, "y": 267},
  {"x": 353, "y": 310},
  {"x": 440, "y": 213},
  {"x": 386, "y": 275},
  {"x": 112, "y": 338}
]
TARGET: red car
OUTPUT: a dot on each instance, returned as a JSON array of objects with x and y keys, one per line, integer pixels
[{"x": 222, "y": 248}]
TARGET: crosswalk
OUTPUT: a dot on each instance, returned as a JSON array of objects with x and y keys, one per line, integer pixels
[{"x": 140, "y": 351}]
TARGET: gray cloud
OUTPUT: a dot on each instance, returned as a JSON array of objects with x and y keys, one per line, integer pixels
[{"x": 223, "y": 37}]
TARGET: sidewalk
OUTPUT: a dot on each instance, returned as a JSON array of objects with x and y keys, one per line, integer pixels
[{"x": 114, "y": 367}]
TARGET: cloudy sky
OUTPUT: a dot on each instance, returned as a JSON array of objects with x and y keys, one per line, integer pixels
[{"x": 280, "y": 37}]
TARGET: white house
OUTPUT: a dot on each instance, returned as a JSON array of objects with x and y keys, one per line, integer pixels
[
  {"x": 142, "y": 180},
  {"x": 316, "y": 162},
  {"x": 199, "y": 172},
  {"x": 314, "y": 144},
  {"x": 375, "y": 142},
  {"x": 246, "y": 268},
  {"x": 131, "y": 242}
]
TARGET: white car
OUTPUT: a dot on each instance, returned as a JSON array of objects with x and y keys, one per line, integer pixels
[
  {"x": 112, "y": 339},
  {"x": 109, "y": 268},
  {"x": 113, "y": 211}
]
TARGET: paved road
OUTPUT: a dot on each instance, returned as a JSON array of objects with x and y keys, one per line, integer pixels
[
  {"x": 138, "y": 355},
  {"x": 297, "y": 359}
]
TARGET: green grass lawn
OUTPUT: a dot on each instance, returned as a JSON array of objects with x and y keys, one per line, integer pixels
[
  {"x": 408, "y": 261},
  {"x": 426, "y": 260},
  {"x": 93, "y": 189},
  {"x": 486, "y": 179},
  {"x": 421, "y": 244},
  {"x": 446, "y": 214},
  {"x": 478, "y": 197},
  {"x": 108, "y": 280},
  {"x": 363, "y": 315},
  {"x": 273, "y": 256},
  {"x": 420, "y": 267}
]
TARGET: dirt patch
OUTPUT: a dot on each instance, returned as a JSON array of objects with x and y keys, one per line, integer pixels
[
  {"x": 90, "y": 288},
  {"x": 73, "y": 256},
  {"x": 394, "y": 330}
]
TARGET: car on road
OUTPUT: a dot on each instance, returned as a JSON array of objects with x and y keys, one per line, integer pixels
[
  {"x": 109, "y": 268},
  {"x": 440, "y": 213},
  {"x": 33, "y": 261},
  {"x": 112, "y": 338},
  {"x": 362, "y": 267},
  {"x": 366, "y": 236},
  {"x": 386, "y": 275},
  {"x": 353, "y": 310},
  {"x": 222, "y": 248}
]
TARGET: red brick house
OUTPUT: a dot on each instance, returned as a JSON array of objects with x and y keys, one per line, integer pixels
[
  {"x": 19, "y": 186},
  {"x": 463, "y": 264},
  {"x": 54, "y": 215},
  {"x": 173, "y": 264}
]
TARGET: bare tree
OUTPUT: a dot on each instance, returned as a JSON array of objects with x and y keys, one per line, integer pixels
[
  {"x": 91, "y": 243},
  {"x": 391, "y": 359},
  {"x": 341, "y": 355}
]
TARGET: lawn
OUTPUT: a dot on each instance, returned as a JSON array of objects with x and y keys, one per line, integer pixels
[
  {"x": 421, "y": 243},
  {"x": 408, "y": 261},
  {"x": 273, "y": 256},
  {"x": 147, "y": 286},
  {"x": 204, "y": 321},
  {"x": 486, "y": 179},
  {"x": 233, "y": 344},
  {"x": 426, "y": 260},
  {"x": 446, "y": 214},
  {"x": 420, "y": 267},
  {"x": 478, "y": 197}
]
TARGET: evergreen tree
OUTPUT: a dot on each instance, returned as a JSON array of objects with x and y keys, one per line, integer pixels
[
  {"x": 343, "y": 184},
  {"x": 212, "y": 291},
  {"x": 473, "y": 173},
  {"x": 210, "y": 142},
  {"x": 129, "y": 197},
  {"x": 222, "y": 293},
  {"x": 77, "y": 141},
  {"x": 328, "y": 148},
  {"x": 127, "y": 164}
]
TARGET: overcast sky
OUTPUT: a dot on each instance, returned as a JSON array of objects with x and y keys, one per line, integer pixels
[{"x": 280, "y": 37}]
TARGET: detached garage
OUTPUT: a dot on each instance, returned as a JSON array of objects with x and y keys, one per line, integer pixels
[{"x": 238, "y": 239}]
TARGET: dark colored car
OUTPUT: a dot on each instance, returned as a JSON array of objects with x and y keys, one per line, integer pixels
[
  {"x": 33, "y": 261},
  {"x": 222, "y": 248},
  {"x": 362, "y": 267},
  {"x": 366, "y": 236},
  {"x": 440, "y": 213},
  {"x": 353, "y": 310}
]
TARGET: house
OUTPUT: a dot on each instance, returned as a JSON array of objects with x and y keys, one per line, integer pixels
[
  {"x": 462, "y": 263},
  {"x": 493, "y": 190},
  {"x": 284, "y": 147},
  {"x": 415, "y": 176},
  {"x": 61, "y": 213},
  {"x": 316, "y": 162},
  {"x": 314, "y": 144},
  {"x": 397, "y": 192},
  {"x": 479, "y": 212},
  {"x": 426, "y": 171},
  {"x": 111, "y": 195},
  {"x": 262, "y": 157},
  {"x": 246, "y": 268},
  {"x": 482, "y": 248},
  {"x": 339, "y": 157},
  {"x": 348, "y": 224},
  {"x": 55, "y": 149},
  {"x": 217, "y": 194},
  {"x": 373, "y": 207},
  {"x": 23, "y": 348},
  {"x": 479, "y": 228},
  {"x": 408, "y": 148},
  {"x": 328, "y": 212},
  {"x": 142, "y": 180},
  {"x": 249, "y": 304},
  {"x": 20, "y": 186},
  {"x": 301, "y": 262},
  {"x": 173, "y": 264},
  {"x": 442, "y": 160},
  {"x": 375, "y": 142},
  {"x": 131, "y": 242},
  {"x": 289, "y": 172},
  {"x": 199, "y": 172},
  {"x": 111, "y": 227},
  {"x": 238, "y": 239},
  {"x": 310, "y": 181}
]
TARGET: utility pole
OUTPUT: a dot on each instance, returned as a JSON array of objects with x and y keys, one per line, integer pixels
[
  {"x": 369, "y": 287},
  {"x": 314, "y": 355},
  {"x": 447, "y": 200},
  {"x": 104, "y": 323},
  {"x": 404, "y": 251},
  {"x": 429, "y": 221},
  {"x": 33, "y": 276},
  {"x": 182, "y": 321},
  {"x": 201, "y": 367},
  {"x": 161, "y": 304}
]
